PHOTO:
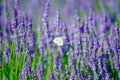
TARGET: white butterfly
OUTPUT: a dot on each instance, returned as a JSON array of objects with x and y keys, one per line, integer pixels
[{"x": 58, "y": 41}]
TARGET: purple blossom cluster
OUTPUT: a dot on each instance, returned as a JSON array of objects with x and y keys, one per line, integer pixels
[{"x": 90, "y": 50}]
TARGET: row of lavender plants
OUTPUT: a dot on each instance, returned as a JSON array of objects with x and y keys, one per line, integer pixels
[{"x": 90, "y": 50}]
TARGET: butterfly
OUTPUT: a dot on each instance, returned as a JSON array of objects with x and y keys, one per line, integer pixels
[{"x": 59, "y": 41}]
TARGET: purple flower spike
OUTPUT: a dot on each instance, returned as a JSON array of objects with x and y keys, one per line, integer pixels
[
  {"x": 67, "y": 38},
  {"x": 26, "y": 69},
  {"x": 30, "y": 38},
  {"x": 40, "y": 71}
]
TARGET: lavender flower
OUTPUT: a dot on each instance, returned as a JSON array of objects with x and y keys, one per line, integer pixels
[
  {"x": 57, "y": 22},
  {"x": 116, "y": 61},
  {"x": 67, "y": 39},
  {"x": 15, "y": 12},
  {"x": 40, "y": 71},
  {"x": 30, "y": 39},
  {"x": 4, "y": 47},
  {"x": 55, "y": 67},
  {"x": 46, "y": 22},
  {"x": 26, "y": 71}
]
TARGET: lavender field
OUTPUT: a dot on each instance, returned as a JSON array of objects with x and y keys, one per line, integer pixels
[{"x": 59, "y": 39}]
